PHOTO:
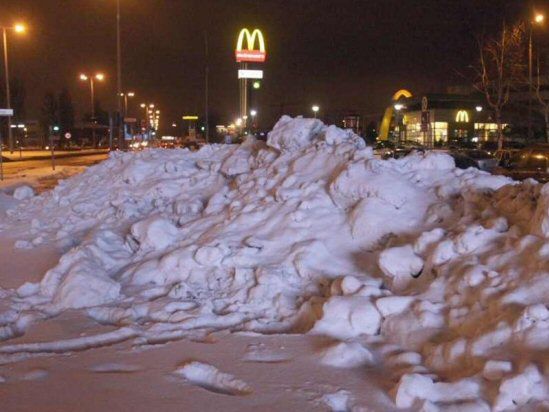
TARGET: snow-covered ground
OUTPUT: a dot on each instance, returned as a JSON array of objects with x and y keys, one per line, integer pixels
[
  {"x": 39, "y": 173},
  {"x": 311, "y": 274}
]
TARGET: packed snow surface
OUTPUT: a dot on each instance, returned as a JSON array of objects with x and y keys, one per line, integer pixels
[{"x": 437, "y": 275}]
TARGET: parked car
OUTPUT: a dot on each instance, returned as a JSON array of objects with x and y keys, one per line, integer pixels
[
  {"x": 528, "y": 163},
  {"x": 484, "y": 160},
  {"x": 384, "y": 149},
  {"x": 463, "y": 161},
  {"x": 405, "y": 148},
  {"x": 506, "y": 157}
]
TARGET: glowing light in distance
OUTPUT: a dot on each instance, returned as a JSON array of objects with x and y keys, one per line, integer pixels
[{"x": 20, "y": 28}]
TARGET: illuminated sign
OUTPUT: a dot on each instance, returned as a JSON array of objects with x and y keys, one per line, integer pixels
[
  {"x": 250, "y": 53},
  {"x": 462, "y": 117},
  {"x": 190, "y": 117},
  {"x": 250, "y": 74}
]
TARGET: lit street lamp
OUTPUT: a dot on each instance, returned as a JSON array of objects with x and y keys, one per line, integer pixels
[
  {"x": 398, "y": 107},
  {"x": 125, "y": 96},
  {"x": 99, "y": 77},
  {"x": 253, "y": 114},
  {"x": 20, "y": 29},
  {"x": 315, "y": 110},
  {"x": 152, "y": 117},
  {"x": 538, "y": 19}
]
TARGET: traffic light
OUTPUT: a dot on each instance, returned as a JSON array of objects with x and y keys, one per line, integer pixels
[{"x": 256, "y": 85}]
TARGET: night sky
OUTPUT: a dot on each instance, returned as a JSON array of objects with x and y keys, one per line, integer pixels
[{"x": 345, "y": 55}]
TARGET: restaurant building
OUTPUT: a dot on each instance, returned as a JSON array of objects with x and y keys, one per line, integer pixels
[{"x": 451, "y": 119}]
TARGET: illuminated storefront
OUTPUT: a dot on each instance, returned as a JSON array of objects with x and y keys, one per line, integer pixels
[{"x": 452, "y": 119}]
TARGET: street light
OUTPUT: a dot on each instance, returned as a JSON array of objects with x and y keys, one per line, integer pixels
[
  {"x": 99, "y": 77},
  {"x": 538, "y": 19},
  {"x": 18, "y": 28},
  {"x": 478, "y": 109},
  {"x": 315, "y": 109},
  {"x": 125, "y": 96}
]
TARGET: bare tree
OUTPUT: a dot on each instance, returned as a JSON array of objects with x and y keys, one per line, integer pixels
[
  {"x": 500, "y": 68},
  {"x": 543, "y": 100}
]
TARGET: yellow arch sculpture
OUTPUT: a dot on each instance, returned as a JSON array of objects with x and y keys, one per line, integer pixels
[{"x": 386, "y": 121}]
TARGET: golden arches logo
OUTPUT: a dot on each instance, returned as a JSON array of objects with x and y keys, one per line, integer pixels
[
  {"x": 462, "y": 117},
  {"x": 250, "y": 53},
  {"x": 402, "y": 93}
]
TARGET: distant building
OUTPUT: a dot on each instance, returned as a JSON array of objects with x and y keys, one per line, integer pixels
[
  {"x": 352, "y": 121},
  {"x": 28, "y": 134},
  {"x": 452, "y": 118}
]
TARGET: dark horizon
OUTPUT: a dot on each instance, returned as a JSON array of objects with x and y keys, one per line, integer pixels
[{"x": 345, "y": 55}]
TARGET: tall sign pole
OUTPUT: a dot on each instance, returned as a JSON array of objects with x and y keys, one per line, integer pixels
[{"x": 247, "y": 52}]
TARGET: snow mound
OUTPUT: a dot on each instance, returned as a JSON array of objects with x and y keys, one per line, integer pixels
[
  {"x": 210, "y": 378},
  {"x": 438, "y": 274},
  {"x": 23, "y": 192}
]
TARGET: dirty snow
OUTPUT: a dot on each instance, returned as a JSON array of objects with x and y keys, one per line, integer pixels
[{"x": 437, "y": 276}]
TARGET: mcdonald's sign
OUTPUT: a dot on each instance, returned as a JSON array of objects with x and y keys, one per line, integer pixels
[
  {"x": 462, "y": 117},
  {"x": 250, "y": 53}
]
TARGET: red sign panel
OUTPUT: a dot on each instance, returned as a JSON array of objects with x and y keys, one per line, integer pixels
[{"x": 252, "y": 56}]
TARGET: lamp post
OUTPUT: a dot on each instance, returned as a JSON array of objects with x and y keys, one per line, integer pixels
[
  {"x": 253, "y": 114},
  {"x": 149, "y": 115},
  {"x": 20, "y": 29},
  {"x": 119, "y": 75},
  {"x": 99, "y": 77},
  {"x": 125, "y": 96},
  {"x": 538, "y": 19},
  {"x": 315, "y": 110},
  {"x": 398, "y": 107}
]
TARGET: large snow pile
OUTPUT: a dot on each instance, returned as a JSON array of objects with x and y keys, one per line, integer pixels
[{"x": 437, "y": 274}]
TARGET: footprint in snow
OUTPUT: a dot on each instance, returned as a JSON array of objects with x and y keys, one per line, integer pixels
[{"x": 210, "y": 378}]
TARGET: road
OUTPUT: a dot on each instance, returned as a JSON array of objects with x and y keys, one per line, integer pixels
[
  {"x": 45, "y": 154},
  {"x": 39, "y": 173}
]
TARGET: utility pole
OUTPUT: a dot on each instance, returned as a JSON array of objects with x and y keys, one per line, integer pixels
[
  {"x": 206, "y": 91},
  {"x": 119, "y": 76},
  {"x": 529, "y": 135},
  {"x": 536, "y": 18},
  {"x": 92, "y": 101},
  {"x": 8, "y": 100}
]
